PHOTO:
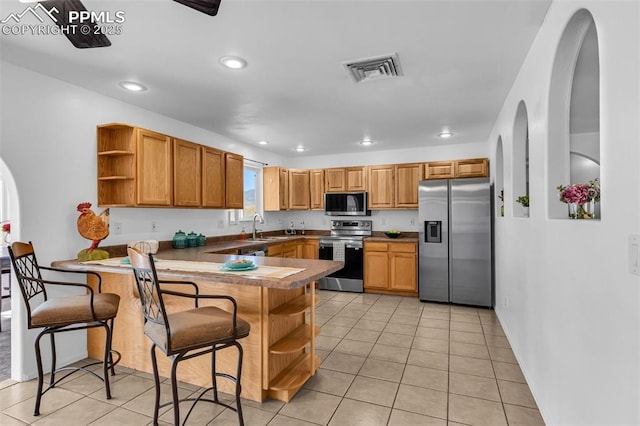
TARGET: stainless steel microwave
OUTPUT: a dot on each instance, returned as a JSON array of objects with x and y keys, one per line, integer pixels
[{"x": 346, "y": 204}]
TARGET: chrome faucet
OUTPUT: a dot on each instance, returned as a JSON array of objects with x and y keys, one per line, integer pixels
[{"x": 260, "y": 219}]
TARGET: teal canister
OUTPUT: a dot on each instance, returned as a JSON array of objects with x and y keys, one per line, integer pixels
[
  {"x": 179, "y": 240},
  {"x": 192, "y": 239},
  {"x": 202, "y": 240}
]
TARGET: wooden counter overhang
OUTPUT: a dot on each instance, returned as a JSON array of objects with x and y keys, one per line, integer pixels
[
  {"x": 313, "y": 269},
  {"x": 279, "y": 353}
]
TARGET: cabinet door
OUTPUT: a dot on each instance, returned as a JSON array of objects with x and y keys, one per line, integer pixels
[
  {"x": 316, "y": 189},
  {"x": 406, "y": 184},
  {"x": 154, "y": 171},
  {"x": 187, "y": 174},
  {"x": 335, "y": 180},
  {"x": 403, "y": 272},
  {"x": 403, "y": 267},
  {"x": 298, "y": 189},
  {"x": 275, "y": 250},
  {"x": 234, "y": 181},
  {"x": 290, "y": 249},
  {"x": 308, "y": 249},
  {"x": 356, "y": 180},
  {"x": 439, "y": 170},
  {"x": 380, "y": 179},
  {"x": 376, "y": 269},
  {"x": 283, "y": 189},
  {"x": 213, "y": 177},
  {"x": 475, "y": 167},
  {"x": 275, "y": 190}
]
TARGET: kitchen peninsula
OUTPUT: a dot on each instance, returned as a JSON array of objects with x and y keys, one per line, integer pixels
[{"x": 279, "y": 353}]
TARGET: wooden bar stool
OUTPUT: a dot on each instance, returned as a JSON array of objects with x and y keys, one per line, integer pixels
[
  {"x": 186, "y": 334},
  {"x": 63, "y": 314}
]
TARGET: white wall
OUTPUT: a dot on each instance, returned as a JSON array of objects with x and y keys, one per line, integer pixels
[
  {"x": 564, "y": 295},
  {"x": 48, "y": 142}
]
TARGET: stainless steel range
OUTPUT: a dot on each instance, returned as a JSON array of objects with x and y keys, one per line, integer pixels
[{"x": 345, "y": 244}]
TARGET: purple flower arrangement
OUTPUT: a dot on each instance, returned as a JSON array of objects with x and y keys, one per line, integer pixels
[{"x": 580, "y": 193}]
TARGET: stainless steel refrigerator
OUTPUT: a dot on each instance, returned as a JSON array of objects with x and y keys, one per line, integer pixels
[{"x": 456, "y": 241}]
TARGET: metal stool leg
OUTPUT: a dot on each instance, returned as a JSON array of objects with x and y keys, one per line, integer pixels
[
  {"x": 106, "y": 358},
  {"x": 238, "y": 386},
  {"x": 156, "y": 379},
  {"x": 36, "y": 411}
]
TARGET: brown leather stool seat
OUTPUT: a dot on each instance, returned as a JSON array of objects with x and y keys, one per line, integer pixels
[
  {"x": 187, "y": 334},
  {"x": 63, "y": 314}
]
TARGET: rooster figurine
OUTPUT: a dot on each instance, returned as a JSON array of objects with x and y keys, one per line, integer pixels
[{"x": 94, "y": 228}]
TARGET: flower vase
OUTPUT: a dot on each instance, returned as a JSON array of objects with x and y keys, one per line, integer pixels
[
  {"x": 573, "y": 210},
  {"x": 587, "y": 210},
  {"x": 525, "y": 211}
]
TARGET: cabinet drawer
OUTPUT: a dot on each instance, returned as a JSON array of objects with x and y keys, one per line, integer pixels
[
  {"x": 403, "y": 247},
  {"x": 376, "y": 246}
]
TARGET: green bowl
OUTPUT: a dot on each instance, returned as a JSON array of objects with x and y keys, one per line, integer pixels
[{"x": 392, "y": 234}]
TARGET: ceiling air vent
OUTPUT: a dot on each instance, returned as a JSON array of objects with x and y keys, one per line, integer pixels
[{"x": 372, "y": 68}]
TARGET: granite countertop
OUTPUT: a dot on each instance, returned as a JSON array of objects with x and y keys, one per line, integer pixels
[
  {"x": 313, "y": 269},
  {"x": 386, "y": 239}
]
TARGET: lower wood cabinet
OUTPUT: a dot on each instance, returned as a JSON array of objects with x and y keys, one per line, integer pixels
[
  {"x": 391, "y": 267},
  {"x": 301, "y": 249}
]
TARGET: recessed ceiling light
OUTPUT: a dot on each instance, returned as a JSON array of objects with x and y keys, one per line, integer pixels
[
  {"x": 263, "y": 142},
  {"x": 233, "y": 62},
  {"x": 445, "y": 135},
  {"x": 300, "y": 149},
  {"x": 132, "y": 86},
  {"x": 366, "y": 142}
]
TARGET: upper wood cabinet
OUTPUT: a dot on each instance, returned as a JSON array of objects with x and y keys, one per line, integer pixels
[
  {"x": 343, "y": 179},
  {"x": 335, "y": 180},
  {"x": 139, "y": 167},
  {"x": 187, "y": 174},
  {"x": 154, "y": 168},
  {"x": 275, "y": 184},
  {"x": 316, "y": 189},
  {"x": 476, "y": 167},
  {"x": 356, "y": 179},
  {"x": 407, "y": 177},
  {"x": 298, "y": 189},
  {"x": 439, "y": 170},
  {"x": 213, "y": 177},
  {"x": 469, "y": 168},
  {"x": 234, "y": 181},
  {"x": 381, "y": 190}
]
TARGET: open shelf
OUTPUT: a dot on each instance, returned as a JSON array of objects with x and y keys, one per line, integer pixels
[
  {"x": 294, "y": 341},
  {"x": 114, "y": 178},
  {"x": 294, "y": 306},
  {"x": 296, "y": 374},
  {"x": 115, "y": 153}
]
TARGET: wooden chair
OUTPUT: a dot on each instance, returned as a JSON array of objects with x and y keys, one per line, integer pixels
[
  {"x": 63, "y": 314},
  {"x": 186, "y": 334}
]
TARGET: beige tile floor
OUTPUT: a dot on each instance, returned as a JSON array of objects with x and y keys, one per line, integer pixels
[{"x": 387, "y": 360}]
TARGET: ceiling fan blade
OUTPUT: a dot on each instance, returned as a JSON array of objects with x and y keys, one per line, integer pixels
[
  {"x": 59, "y": 9},
  {"x": 210, "y": 7}
]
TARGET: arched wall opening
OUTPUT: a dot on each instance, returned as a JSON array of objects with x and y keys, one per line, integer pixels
[
  {"x": 521, "y": 162},
  {"x": 18, "y": 315},
  {"x": 499, "y": 182},
  {"x": 574, "y": 110}
]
